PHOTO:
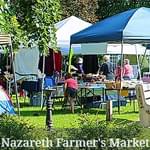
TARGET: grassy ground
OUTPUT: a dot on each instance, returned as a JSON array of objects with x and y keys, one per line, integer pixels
[{"x": 65, "y": 119}]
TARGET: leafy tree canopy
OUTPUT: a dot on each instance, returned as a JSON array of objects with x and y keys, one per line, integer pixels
[
  {"x": 95, "y": 10},
  {"x": 9, "y": 24},
  {"x": 32, "y": 19},
  {"x": 84, "y": 9},
  {"x": 108, "y": 8}
]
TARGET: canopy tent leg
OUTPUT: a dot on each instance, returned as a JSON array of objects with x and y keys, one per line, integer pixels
[
  {"x": 8, "y": 82},
  {"x": 149, "y": 61},
  {"x": 14, "y": 76},
  {"x": 137, "y": 58},
  {"x": 122, "y": 57},
  {"x": 121, "y": 76},
  {"x": 42, "y": 92}
]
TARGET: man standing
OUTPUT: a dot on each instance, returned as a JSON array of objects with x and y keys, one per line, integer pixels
[{"x": 107, "y": 68}]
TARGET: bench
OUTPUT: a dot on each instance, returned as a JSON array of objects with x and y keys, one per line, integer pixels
[{"x": 143, "y": 97}]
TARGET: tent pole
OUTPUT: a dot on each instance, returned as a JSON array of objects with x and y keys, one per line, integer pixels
[
  {"x": 8, "y": 82},
  {"x": 137, "y": 58},
  {"x": 14, "y": 76},
  {"x": 43, "y": 70},
  {"x": 121, "y": 58},
  {"x": 149, "y": 61},
  {"x": 143, "y": 58},
  {"x": 70, "y": 57},
  {"x": 121, "y": 77}
]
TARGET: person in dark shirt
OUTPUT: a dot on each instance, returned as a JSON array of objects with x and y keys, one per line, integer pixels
[{"x": 107, "y": 68}]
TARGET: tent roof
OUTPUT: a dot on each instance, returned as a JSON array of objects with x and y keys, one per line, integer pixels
[
  {"x": 65, "y": 29},
  {"x": 131, "y": 26}
]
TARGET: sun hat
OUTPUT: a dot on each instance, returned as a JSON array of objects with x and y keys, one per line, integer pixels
[{"x": 80, "y": 60}]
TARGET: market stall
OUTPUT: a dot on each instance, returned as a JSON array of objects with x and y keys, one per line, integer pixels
[
  {"x": 130, "y": 27},
  {"x": 133, "y": 29}
]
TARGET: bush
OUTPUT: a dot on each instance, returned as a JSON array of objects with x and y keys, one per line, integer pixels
[
  {"x": 90, "y": 129},
  {"x": 17, "y": 129}
]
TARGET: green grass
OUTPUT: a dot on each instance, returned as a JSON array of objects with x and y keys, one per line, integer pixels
[{"x": 65, "y": 119}]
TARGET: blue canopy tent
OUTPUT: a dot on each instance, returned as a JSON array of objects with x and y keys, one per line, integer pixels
[{"x": 132, "y": 26}]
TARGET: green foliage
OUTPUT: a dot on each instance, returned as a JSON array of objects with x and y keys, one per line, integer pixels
[
  {"x": 89, "y": 129},
  {"x": 132, "y": 58},
  {"x": 30, "y": 21},
  {"x": 10, "y": 25},
  {"x": 84, "y": 9},
  {"x": 111, "y": 7},
  {"x": 98, "y": 9},
  {"x": 18, "y": 129},
  {"x": 34, "y": 19},
  {"x": 144, "y": 70},
  {"x": 45, "y": 22},
  {"x": 144, "y": 62},
  {"x": 37, "y": 18},
  {"x": 96, "y": 129}
]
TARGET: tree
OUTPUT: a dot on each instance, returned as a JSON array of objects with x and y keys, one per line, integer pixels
[
  {"x": 33, "y": 19},
  {"x": 9, "y": 24},
  {"x": 84, "y": 9},
  {"x": 108, "y": 8}
]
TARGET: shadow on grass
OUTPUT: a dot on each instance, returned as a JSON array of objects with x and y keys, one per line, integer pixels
[
  {"x": 27, "y": 110},
  {"x": 32, "y": 113},
  {"x": 129, "y": 112},
  {"x": 122, "y": 121},
  {"x": 79, "y": 111},
  {"x": 124, "y": 112},
  {"x": 59, "y": 111}
]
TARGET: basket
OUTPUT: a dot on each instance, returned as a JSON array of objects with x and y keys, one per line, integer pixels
[
  {"x": 113, "y": 85},
  {"x": 110, "y": 85}
]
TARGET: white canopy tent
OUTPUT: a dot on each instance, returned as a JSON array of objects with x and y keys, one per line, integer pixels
[{"x": 66, "y": 28}]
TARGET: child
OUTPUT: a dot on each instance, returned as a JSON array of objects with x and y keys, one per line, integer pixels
[{"x": 71, "y": 87}]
